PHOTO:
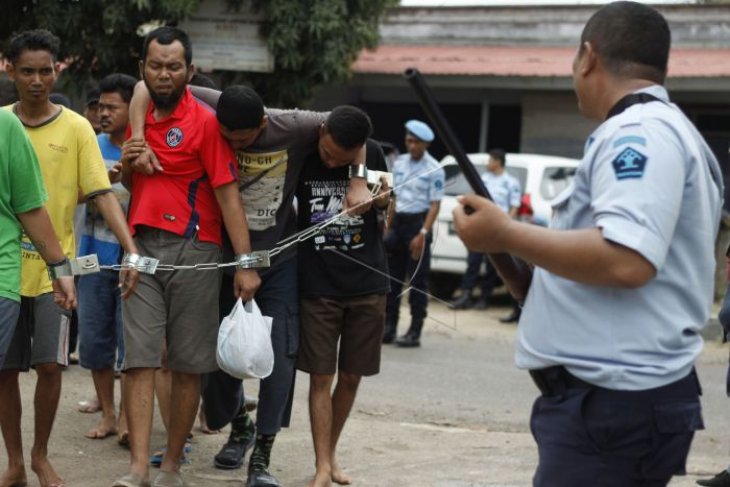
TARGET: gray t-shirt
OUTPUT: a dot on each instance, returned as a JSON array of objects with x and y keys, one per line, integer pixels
[{"x": 268, "y": 172}]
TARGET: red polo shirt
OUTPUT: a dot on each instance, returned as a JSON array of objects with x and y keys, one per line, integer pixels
[{"x": 195, "y": 158}]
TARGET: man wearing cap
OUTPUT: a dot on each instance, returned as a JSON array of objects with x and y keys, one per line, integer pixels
[
  {"x": 91, "y": 110},
  {"x": 418, "y": 185}
]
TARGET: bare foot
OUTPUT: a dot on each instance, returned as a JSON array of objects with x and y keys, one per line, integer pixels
[
  {"x": 320, "y": 479},
  {"x": 14, "y": 477},
  {"x": 338, "y": 476},
  {"x": 91, "y": 406},
  {"x": 204, "y": 424},
  {"x": 106, "y": 427},
  {"x": 46, "y": 475},
  {"x": 123, "y": 434}
]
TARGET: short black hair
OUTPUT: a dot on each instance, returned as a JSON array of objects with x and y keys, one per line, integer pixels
[
  {"x": 632, "y": 39},
  {"x": 166, "y": 35},
  {"x": 239, "y": 108},
  {"x": 33, "y": 40},
  {"x": 498, "y": 155},
  {"x": 60, "y": 99},
  {"x": 118, "y": 83},
  {"x": 348, "y": 126}
]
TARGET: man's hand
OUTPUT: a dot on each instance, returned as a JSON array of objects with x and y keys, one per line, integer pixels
[
  {"x": 128, "y": 279},
  {"x": 381, "y": 201},
  {"x": 416, "y": 246},
  {"x": 140, "y": 157},
  {"x": 115, "y": 173},
  {"x": 358, "y": 198},
  {"x": 64, "y": 292},
  {"x": 482, "y": 230},
  {"x": 245, "y": 283}
]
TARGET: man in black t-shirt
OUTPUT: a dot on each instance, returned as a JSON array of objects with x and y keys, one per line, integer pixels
[{"x": 342, "y": 281}]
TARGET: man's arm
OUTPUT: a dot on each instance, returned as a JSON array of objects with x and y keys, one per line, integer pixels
[
  {"x": 246, "y": 281},
  {"x": 579, "y": 255},
  {"x": 417, "y": 242},
  {"x": 358, "y": 198},
  {"x": 136, "y": 153},
  {"x": 113, "y": 214},
  {"x": 209, "y": 96},
  {"x": 38, "y": 226}
]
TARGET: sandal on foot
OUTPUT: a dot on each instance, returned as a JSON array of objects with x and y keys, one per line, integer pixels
[
  {"x": 131, "y": 480},
  {"x": 156, "y": 457},
  {"x": 169, "y": 479},
  {"x": 231, "y": 455}
]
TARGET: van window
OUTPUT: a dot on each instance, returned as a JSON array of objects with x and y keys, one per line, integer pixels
[
  {"x": 456, "y": 184},
  {"x": 554, "y": 180}
]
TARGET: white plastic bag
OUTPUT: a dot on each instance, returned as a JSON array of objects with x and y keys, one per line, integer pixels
[{"x": 244, "y": 342}]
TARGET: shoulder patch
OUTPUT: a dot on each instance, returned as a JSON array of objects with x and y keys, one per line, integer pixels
[{"x": 629, "y": 164}]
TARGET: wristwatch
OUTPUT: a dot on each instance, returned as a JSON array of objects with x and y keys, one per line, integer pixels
[
  {"x": 423, "y": 231},
  {"x": 358, "y": 171}
]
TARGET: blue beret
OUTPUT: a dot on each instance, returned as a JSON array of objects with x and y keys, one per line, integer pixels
[{"x": 420, "y": 130}]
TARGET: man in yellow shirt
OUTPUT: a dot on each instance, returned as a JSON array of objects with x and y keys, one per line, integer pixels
[{"x": 71, "y": 164}]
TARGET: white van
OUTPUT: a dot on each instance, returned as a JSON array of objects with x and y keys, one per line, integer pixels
[{"x": 541, "y": 178}]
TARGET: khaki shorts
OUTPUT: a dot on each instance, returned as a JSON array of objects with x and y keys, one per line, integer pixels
[
  {"x": 179, "y": 307},
  {"x": 355, "y": 322},
  {"x": 41, "y": 335}
]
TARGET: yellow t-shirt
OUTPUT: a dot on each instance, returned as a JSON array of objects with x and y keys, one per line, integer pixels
[{"x": 70, "y": 161}]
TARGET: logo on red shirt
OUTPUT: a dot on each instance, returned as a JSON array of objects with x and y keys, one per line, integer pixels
[{"x": 174, "y": 137}]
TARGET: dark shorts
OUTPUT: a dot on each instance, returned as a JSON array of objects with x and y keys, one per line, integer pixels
[
  {"x": 355, "y": 322},
  {"x": 101, "y": 335},
  {"x": 606, "y": 438},
  {"x": 179, "y": 307},
  {"x": 41, "y": 335},
  {"x": 9, "y": 311}
]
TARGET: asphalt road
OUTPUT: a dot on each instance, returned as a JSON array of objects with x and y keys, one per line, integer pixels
[{"x": 452, "y": 413}]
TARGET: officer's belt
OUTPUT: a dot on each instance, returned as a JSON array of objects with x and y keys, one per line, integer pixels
[{"x": 554, "y": 381}]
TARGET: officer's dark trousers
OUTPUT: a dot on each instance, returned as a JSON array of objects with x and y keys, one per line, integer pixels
[
  {"x": 400, "y": 264},
  {"x": 472, "y": 279},
  {"x": 277, "y": 297},
  {"x": 604, "y": 438}
]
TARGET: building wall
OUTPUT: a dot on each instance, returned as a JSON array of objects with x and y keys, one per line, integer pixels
[{"x": 552, "y": 124}]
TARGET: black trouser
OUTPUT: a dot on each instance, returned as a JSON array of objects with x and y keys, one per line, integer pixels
[
  {"x": 588, "y": 435},
  {"x": 405, "y": 226}
]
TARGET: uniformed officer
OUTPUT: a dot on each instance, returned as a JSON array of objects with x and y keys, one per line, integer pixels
[
  {"x": 506, "y": 193},
  {"x": 624, "y": 277},
  {"x": 418, "y": 186}
]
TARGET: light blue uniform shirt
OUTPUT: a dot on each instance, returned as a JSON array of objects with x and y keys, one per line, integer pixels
[
  {"x": 417, "y": 183},
  {"x": 504, "y": 190},
  {"x": 651, "y": 183}
]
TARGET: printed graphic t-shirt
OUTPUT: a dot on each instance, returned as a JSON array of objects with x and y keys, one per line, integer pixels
[
  {"x": 347, "y": 258},
  {"x": 21, "y": 190},
  {"x": 70, "y": 162}
]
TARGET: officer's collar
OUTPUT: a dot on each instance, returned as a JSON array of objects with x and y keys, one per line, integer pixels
[{"x": 642, "y": 96}]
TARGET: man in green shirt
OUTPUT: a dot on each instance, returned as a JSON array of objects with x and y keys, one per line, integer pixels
[{"x": 22, "y": 195}]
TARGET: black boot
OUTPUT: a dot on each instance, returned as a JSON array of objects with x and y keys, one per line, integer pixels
[
  {"x": 389, "y": 330},
  {"x": 258, "y": 465},
  {"x": 513, "y": 317},
  {"x": 462, "y": 302},
  {"x": 413, "y": 337}
]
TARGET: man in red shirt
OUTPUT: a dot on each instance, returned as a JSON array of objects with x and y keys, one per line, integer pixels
[{"x": 175, "y": 216}]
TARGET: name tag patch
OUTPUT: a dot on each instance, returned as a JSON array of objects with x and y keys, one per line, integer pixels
[{"x": 629, "y": 164}]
